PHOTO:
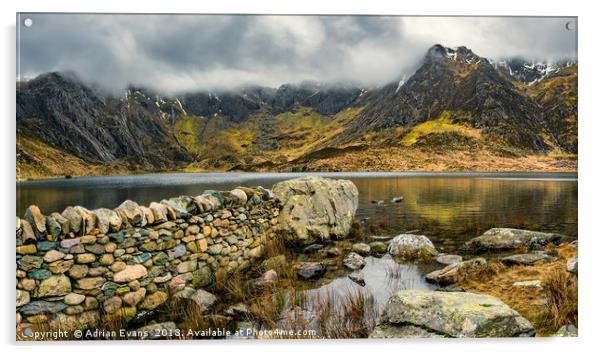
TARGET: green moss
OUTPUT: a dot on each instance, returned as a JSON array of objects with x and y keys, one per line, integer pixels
[{"x": 441, "y": 124}]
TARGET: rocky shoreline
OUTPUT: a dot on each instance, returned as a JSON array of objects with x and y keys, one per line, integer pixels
[{"x": 81, "y": 268}]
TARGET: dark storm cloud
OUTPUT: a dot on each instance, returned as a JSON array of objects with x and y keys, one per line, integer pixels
[{"x": 174, "y": 53}]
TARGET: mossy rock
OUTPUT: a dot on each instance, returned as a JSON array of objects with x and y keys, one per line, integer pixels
[{"x": 203, "y": 277}]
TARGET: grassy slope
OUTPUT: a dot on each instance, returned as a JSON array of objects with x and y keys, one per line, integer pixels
[
  {"x": 441, "y": 145},
  {"x": 221, "y": 145},
  {"x": 36, "y": 159},
  {"x": 440, "y": 125},
  {"x": 273, "y": 143}
]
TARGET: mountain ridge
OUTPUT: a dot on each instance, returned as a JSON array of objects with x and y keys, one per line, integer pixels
[{"x": 258, "y": 128}]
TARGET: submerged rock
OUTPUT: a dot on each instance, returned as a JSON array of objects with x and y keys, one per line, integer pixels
[
  {"x": 316, "y": 208},
  {"x": 358, "y": 278},
  {"x": 500, "y": 239},
  {"x": 450, "y": 314},
  {"x": 411, "y": 246}
]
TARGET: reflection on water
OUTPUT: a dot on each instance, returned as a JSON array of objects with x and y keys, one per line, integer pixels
[
  {"x": 383, "y": 277},
  {"x": 449, "y": 208}
]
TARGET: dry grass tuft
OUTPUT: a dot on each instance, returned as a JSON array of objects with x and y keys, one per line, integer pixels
[
  {"x": 232, "y": 287},
  {"x": 547, "y": 307},
  {"x": 561, "y": 291},
  {"x": 416, "y": 256},
  {"x": 481, "y": 273},
  {"x": 330, "y": 315},
  {"x": 352, "y": 315}
]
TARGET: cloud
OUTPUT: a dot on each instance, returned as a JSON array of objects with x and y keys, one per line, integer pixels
[{"x": 175, "y": 53}]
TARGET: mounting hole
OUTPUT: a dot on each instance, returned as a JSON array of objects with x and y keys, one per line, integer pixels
[
  {"x": 570, "y": 26},
  {"x": 27, "y": 22}
]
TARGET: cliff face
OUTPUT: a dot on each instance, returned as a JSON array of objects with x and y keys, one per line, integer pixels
[
  {"x": 510, "y": 107},
  {"x": 67, "y": 115}
]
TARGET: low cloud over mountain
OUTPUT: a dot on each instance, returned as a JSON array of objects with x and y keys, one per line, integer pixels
[{"x": 183, "y": 53}]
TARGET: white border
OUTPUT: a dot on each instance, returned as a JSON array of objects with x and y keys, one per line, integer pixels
[{"x": 590, "y": 129}]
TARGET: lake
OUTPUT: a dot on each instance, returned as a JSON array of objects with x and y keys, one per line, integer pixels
[{"x": 450, "y": 208}]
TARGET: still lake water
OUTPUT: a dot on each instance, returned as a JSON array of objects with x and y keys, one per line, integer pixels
[{"x": 448, "y": 207}]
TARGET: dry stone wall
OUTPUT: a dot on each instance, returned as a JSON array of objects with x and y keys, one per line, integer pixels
[{"x": 73, "y": 265}]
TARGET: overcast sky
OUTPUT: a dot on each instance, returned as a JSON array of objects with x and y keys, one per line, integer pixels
[{"x": 174, "y": 53}]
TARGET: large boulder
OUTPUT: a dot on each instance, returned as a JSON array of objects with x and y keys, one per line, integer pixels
[
  {"x": 316, "y": 208},
  {"x": 450, "y": 314},
  {"x": 411, "y": 246},
  {"x": 501, "y": 239}
]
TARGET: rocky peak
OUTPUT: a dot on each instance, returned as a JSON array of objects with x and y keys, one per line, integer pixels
[
  {"x": 530, "y": 71},
  {"x": 462, "y": 54}
]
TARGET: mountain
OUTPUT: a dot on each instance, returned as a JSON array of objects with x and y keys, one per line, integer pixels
[
  {"x": 528, "y": 71},
  {"x": 66, "y": 114},
  {"x": 466, "y": 88},
  {"x": 456, "y": 106}
]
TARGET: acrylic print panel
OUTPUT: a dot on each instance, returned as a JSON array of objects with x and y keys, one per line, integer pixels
[{"x": 248, "y": 176}]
